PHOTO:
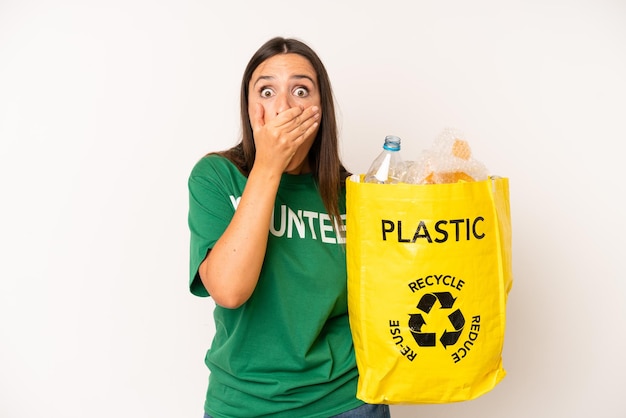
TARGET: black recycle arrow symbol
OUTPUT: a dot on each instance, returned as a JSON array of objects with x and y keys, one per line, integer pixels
[
  {"x": 451, "y": 337},
  {"x": 427, "y": 301},
  {"x": 423, "y": 339},
  {"x": 416, "y": 321}
]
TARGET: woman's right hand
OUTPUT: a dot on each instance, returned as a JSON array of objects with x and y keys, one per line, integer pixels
[{"x": 277, "y": 139}]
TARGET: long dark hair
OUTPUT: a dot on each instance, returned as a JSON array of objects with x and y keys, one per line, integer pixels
[{"x": 326, "y": 167}]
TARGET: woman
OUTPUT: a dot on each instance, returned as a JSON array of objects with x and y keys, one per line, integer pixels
[{"x": 266, "y": 220}]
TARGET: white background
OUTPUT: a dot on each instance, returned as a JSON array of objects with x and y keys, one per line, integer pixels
[{"x": 106, "y": 105}]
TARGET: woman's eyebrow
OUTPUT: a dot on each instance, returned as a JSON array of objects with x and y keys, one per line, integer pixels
[
  {"x": 262, "y": 77},
  {"x": 304, "y": 76}
]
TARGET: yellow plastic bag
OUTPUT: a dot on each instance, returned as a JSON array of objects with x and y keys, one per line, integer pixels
[{"x": 429, "y": 271}]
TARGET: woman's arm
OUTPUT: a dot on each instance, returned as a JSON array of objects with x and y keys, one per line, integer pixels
[{"x": 231, "y": 269}]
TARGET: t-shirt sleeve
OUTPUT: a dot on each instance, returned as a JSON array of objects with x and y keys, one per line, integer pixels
[{"x": 210, "y": 212}]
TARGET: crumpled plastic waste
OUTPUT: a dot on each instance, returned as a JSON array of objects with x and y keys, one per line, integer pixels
[{"x": 449, "y": 160}]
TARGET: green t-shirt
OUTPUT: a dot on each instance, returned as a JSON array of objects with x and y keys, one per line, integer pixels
[{"x": 287, "y": 352}]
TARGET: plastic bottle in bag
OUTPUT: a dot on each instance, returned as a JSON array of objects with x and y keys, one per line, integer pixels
[{"x": 387, "y": 168}]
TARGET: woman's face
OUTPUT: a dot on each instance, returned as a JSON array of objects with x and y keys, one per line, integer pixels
[{"x": 282, "y": 82}]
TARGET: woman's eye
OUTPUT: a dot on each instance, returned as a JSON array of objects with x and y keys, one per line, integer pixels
[
  {"x": 265, "y": 92},
  {"x": 301, "y": 92}
]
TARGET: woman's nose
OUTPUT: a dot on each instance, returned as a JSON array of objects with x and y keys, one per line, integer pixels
[{"x": 283, "y": 102}]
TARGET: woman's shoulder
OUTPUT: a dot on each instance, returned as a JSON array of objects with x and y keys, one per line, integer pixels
[{"x": 210, "y": 164}]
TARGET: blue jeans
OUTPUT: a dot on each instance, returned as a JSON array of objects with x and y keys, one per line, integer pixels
[
  {"x": 367, "y": 411},
  {"x": 363, "y": 411}
]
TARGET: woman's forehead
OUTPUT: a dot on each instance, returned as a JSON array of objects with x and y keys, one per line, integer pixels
[{"x": 285, "y": 64}]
